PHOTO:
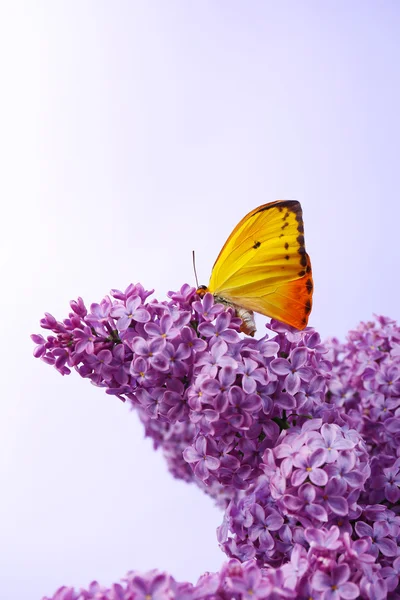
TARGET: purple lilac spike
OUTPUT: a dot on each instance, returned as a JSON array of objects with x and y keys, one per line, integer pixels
[{"x": 297, "y": 441}]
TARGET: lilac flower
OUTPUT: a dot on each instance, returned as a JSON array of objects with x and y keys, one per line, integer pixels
[
  {"x": 313, "y": 394},
  {"x": 174, "y": 404},
  {"x": 216, "y": 387},
  {"x": 143, "y": 373},
  {"x": 208, "y": 309},
  {"x": 190, "y": 340},
  {"x": 220, "y": 330},
  {"x": 100, "y": 313},
  {"x": 100, "y": 363},
  {"x": 322, "y": 539},
  {"x": 388, "y": 379},
  {"x": 344, "y": 468},
  {"x": 177, "y": 359},
  {"x": 308, "y": 466},
  {"x": 336, "y": 585},
  {"x": 245, "y": 403},
  {"x": 334, "y": 497},
  {"x": 85, "y": 340},
  {"x": 358, "y": 549},
  {"x": 250, "y": 584},
  {"x": 391, "y": 575},
  {"x": 294, "y": 370},
  {"x": 153, "y": 351},
  {"x": 251, "y": 374},
  {"x": 204, "y": 462},
  {"x": 165, "y": 329},
  {"x": 287, "y": 450},
  {"x": 296, "y": 567},
  {"x": 264, "y": 522},
  {"x": 151, "y": 400},
  {"x": 130, "y": 312},
  {"x": 153, "y": 587},
  {"x": 120, "y": 364},
  {"x": 378, "y": 533},
  {"x": 389, "y": 480},
  {"x": 184, "y": 297},
  {"x": 215, "y": 357},
  {"x": 331, "y": 440},
  {"x": 305, "y": 500}
]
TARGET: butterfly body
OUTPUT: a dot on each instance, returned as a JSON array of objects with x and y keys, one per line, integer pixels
[{"x": 263, "y": 267}]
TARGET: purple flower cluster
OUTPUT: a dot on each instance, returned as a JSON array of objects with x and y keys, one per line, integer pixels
[
  {"x": 366, "y": 387},
  {"x": 333, "y": 568},
  {"x": 313, "y": 478},
  {"x": 297, "y": 440}
]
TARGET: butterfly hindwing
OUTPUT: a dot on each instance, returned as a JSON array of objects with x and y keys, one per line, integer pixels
[{"x": 264, "y": 267}]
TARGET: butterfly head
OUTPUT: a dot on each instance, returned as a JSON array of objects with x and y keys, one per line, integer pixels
[{"x": 202, "y": 290}]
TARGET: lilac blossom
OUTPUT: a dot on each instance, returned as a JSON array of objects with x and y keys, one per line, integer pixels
[
  {"x": 336, "y": 584},
  {"x": 294, "y": 369},
  {"x": 198, "y": 455},
  {"x": 296, "y": 440},
  {"x": 130, "y": 312}
]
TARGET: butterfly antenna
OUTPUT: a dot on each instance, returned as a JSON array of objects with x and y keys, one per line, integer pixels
[{"x": 194, "y": 268}]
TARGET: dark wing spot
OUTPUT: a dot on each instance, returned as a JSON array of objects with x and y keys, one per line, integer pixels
[
  {"x": 308, "y": 270},
  {"x": 281, "y": 235},
  {"x": 300, "y": 228},
  {"x": 256, "y": 245},
  {"x": 309, "y": 286},
  {"x": 303, "y": 260},
  {"x": 287, "y": 256},
  {"x": 285, "y": 225},
  {"x": 307, "y": 307},
  {"x": 304, "y": 321},
  {"x": 286, "y": 215},
  {"x": 286, "y": 246},
  {"x": 300, "y": 240},
  {"x": 301, "y": 250},
  {"x": 301, "y": 273}
]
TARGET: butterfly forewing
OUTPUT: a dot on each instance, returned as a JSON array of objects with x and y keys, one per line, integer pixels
[{"x": 264, "y": 267}]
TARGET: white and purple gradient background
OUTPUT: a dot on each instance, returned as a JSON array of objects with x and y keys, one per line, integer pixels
[{"x": 131, "y": 133}]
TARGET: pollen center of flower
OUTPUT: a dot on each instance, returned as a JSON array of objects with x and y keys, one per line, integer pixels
[
  {"x": 334, "y": 588},
  {"x": 329, "y": 448},
  {"x": 250, "y": 592},
  {"x": 164, "y": 335},
  {"x": 308, "y": 469},
  {"x": 147, "y": 597},
  {"x": 130, "y": 316},
  {"x": 141, "y": 373}
]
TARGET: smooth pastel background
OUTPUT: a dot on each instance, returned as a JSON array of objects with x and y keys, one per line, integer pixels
[{"x": 131, "y": 133}]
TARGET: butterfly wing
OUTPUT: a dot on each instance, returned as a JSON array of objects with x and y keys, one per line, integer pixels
[{"x": 264, "y": 266}]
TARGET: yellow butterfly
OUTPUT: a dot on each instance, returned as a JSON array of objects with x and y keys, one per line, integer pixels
[{"x": 264, "y": 267}]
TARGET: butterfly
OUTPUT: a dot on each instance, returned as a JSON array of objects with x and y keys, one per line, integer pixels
[{"x": 263, "y": 267}]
